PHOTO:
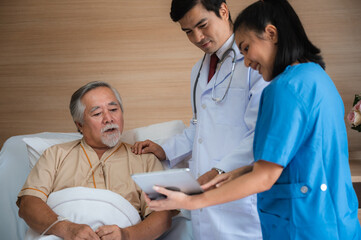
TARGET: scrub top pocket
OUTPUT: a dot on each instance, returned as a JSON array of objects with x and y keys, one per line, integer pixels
[{"x": 285, "y": 208}]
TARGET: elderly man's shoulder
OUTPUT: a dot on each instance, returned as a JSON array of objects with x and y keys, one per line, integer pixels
[
  {"x": 65, "y": 147},
  {"x": 146, "y": 162},
  {"x": 141, "y": 157}
]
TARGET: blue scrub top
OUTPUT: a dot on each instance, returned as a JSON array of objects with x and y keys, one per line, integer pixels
[{"x": 301, "y": 127}]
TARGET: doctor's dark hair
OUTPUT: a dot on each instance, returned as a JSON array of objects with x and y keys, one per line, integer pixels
[
  {"x": 179, "y": 8},
  {"x": 76, "y": 106},
  {"x": 293, "y": 44}
]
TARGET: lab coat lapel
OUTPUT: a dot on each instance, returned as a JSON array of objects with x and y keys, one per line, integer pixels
[
  {"x": 224, "y": 72},
  {"x": 203, "y": 77}
]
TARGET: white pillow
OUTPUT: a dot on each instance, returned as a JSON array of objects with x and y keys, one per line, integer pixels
[
  {"x": 37, "y": 145},
  {"x": 158, "y": 133}
]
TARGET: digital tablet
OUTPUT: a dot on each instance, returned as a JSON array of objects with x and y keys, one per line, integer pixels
[{"x": 174, "y": 179}]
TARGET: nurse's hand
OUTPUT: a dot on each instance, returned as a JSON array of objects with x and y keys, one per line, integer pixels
[
  {"x": 173, "y": 200},
  {"x": 148, "y": 146},
  {"x": 208, "y": 176},
  {"x": 221, "y": 179}
]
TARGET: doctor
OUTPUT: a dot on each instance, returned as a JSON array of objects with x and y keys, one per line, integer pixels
[{"x": 225, "y": 107}]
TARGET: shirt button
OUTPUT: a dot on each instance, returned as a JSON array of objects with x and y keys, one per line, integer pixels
[
  {"x": 204, "y": 106},
  {"x": 323, "y": 187},
  {"x": 304, "y": 189},
  {"x": 200, "y": 140}
]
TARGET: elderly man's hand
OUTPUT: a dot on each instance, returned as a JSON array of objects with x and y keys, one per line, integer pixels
[
  {"x": 112, "y": 232},
  {"x": 148, "y": 146},
  {"x": 79, "y": 231}
]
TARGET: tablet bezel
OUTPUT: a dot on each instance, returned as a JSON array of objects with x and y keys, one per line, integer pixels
[{"x": 179, "y": 179}]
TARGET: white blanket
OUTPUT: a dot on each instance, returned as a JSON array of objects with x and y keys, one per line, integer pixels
[{"x": 95, "y": 207}]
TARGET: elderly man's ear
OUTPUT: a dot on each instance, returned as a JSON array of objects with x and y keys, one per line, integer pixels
[{"x": 79, "y": 127}]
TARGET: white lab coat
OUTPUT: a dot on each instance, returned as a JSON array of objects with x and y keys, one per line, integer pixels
[{"x": 222, "y": 138}]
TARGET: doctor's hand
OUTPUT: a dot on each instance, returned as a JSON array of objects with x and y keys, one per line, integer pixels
[
  {"x": 148, "y": 146},
  {"x": 112, "y": 232},
  {"x": 208, "y": 176},
  {"x": 221, "y": 179},
  {"x": 173, "y": 200}
]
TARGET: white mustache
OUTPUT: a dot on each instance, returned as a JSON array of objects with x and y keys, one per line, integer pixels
[{"x": 109, "y": 126}]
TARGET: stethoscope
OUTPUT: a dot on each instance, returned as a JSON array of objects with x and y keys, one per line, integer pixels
[{"x": 214, "y": 98}]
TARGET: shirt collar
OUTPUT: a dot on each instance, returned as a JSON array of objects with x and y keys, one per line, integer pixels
[
  {"x": 106, "y": 153},
  {"x": 228, "y": 44}
]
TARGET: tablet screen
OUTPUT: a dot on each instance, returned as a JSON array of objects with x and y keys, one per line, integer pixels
[{"x": 173, "y": 179}]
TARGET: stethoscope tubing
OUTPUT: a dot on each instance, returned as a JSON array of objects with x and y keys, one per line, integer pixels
[
  {"x": 225, "y": 55},
  {"x": 194, "y": 91}
]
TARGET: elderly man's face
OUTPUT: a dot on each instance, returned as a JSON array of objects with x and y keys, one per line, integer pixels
[{"x": 103, "y": 118}]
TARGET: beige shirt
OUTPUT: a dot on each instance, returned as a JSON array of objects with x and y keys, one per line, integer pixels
[{"x": 76, "y": 164}]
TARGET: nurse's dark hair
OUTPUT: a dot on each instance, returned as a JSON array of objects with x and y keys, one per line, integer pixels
[
  {"x": 179, "y": 8},
  {"x": 77, "y": 107},
  {"x": 293, "y": 44}
]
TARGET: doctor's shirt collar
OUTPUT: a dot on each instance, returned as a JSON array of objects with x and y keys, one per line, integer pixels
[{"x": 228, "y": 44}]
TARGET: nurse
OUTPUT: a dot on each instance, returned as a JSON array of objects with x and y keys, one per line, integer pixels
[
  {"x": 221, "y": 138},
  {"x": 301, "y": 171}
]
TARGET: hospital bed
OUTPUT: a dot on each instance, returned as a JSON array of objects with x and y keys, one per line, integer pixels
[{"x": 20, "y": 153}]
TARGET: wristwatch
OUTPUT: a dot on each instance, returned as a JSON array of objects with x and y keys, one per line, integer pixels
[{"x": 220, "y": 171}]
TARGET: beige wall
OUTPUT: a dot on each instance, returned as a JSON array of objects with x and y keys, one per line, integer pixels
[{"x": 50, "y": 48}]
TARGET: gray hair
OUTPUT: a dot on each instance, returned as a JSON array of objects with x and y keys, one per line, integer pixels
[{"x": 77, "y": 108}]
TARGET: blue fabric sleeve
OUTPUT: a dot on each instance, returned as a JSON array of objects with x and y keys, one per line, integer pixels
[{"x": 281, "y": 125}]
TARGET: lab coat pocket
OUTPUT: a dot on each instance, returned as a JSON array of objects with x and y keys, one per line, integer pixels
[
  {"x": 246, "y": 205},
  {"x": 237, "y": 213},
  {"x": 231, "y": 110}
]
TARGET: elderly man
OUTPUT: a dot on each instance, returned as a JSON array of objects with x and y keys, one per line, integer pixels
[{"x": 98, "y": 160}]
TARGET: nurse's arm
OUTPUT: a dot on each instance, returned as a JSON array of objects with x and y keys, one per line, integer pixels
[
  {"x": 223, "y": 178},
  {"x": 262, "y": 177}
]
